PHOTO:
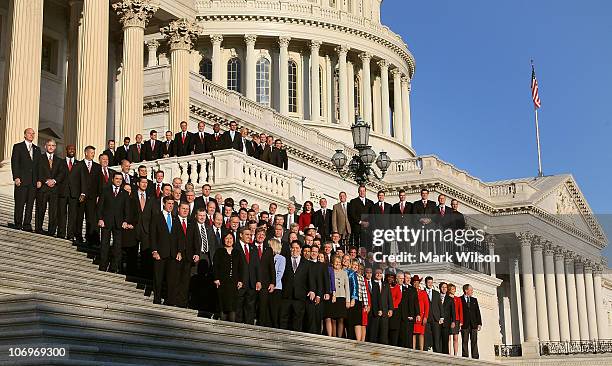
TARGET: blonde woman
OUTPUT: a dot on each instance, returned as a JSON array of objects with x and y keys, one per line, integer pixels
[{"x": 340, "y": 301}]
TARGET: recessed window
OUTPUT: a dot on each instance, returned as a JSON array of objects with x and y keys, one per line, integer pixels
[
  {"x": 49, "y": 55},
  {"x": 233, "y": 74},
  {"x": 292, "y": 69},
  {"x": 206, "y": 68},
  {"x": 262, "y": 70}
]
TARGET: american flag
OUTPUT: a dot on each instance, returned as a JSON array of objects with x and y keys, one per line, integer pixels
[{"x": 535, "y": 95}]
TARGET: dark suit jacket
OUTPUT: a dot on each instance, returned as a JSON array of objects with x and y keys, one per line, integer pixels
[
  {"x": 144, "y": 218},
  {"x": 320, "y": 272},
  {"x": 163, "y": 241},
  {"x": 216, "y": 143},
  {"x": 435, "y": 306},
  {"x": 471, "y": 313},
  {"x": 201, "y": 145},
  {"x": 448, "y": 311},
  {"x": 167, "y": 148},
  {"x": 91, "y": 181},
  {"x": 187, "y": 245},
  {"x": 266, "y": 154},
  {"x": 357, "y": 211},
  {"x": 111, "y": 157},
  {"x": 419, "y": 211},
  {"x": 121, "y": 153},
  {"x": 182, "y": 148},
  {"x": 200, "y": 203},
  {"x": 297, "y": 285},
  {"x": 279, "y": 158},
  {"x": 104, "y": 183},
  {"x": 250, "y": 149},
  {"x": 267, "y": 273},
  {"x": 251, "y": 273},
  {"x": 133, "y": 155},
  {"x": 323, "y": 224},
  {"x": 71, "y": 184},
  {"x": 152, "y": 153},
  {"x": 381, "y": 300},
  {"x": 405, "y": 218},
  {"x": 456, "y": 220},
  {"x": 58, "y": 172},
  {"x": 409, "y": 306},
  {"x": 256, "y": 149},
  {"x": 24, "y": 167},
  {"x": 196, "y": 237},
  {"x": 228, "y": 143},
  {"x": 113, "y": 210},
  {"x": 295, "y": 219}
]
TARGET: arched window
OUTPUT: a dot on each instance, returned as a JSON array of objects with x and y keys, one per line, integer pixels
[
  {"x": 263, "y": 81},
  {"x": 233, "y": 74},
  {"x": 292, "y": 69},
  {"x": 206, "y": 68},
  {"x": 357, "y": 96}
]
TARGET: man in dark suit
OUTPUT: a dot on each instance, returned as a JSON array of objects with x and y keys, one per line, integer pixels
[
  {"x": 110, "y": 152},
  {"x": 202, "y": 201},
  {"x": 381, "y": 309},
  {"x": 409, "y": 311},
  {"x": 245, "y": 312},
  {"x": 424, "y": 209},
  {"x": 291, "y": 217},
  {"x": 182, "y": 141},
  {"x": 443, "y": 215},
  {"x": 123, "y": 151},
  {"x": 125, "y": 172},
  {"x": 168, "y": 146},
  {"x": 112, "y": 216},
  {"x": 322, "y": 220},
  {"x": 256, "y": 148},
  {"x": 69, "y": 191},
  {"x": 320, "y": 273},
  {"x": 456, "y": 219},
  {"x": 202, "y": 288},
  {"x": 152, "y": 148},
  {"x": 472, "y": 322},
  {"x": 147, "y": 208},
  {"x": 279, "y": 156},
  {"x": 247, "y": 145},
  {"x": 402, "y": 211},
  {"x": 90, "y": 174},
  {"x": 136, "y": 152},
  {"x": 142, "y": 172},
  {"x": 216, "y": 138},
  {"x": 166, "y": 251},
  {"x": 379, "y": 217},
  {"x": 266, "y": 154},
  {"x": 432, "y": 327},
  {"x": 51, "y": 174},
  {"x": 358, "y": 209},
  {"x": 232, "y": 138},
  {"x": 191, "y": 254},
  {"x": 25, "y": 158},
  {"x": 447, "y": 317},
  {"x": 201, "y": 140},
  {"x": 266, "y": 276},
  {"x": 107, "y": 173},
  {"x": 298, "y": 286}
]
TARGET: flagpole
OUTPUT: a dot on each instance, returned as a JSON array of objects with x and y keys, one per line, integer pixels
[{"x": 538, "y": 143}]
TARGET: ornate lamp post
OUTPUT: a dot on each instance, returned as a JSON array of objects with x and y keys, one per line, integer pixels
[{"x": 360, "y": 166}]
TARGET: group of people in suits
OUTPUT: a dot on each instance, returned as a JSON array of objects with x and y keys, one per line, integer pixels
[
  {"x": 290, "y": 271},
  {"x": 259, "y": 146}
]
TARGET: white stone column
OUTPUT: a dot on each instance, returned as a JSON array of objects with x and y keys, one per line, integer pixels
[
  {"x": 350, "y": 85},
  {"x": 283, "y": 67},
  {"x": 540, "y": 286},
  {"x": 602, "y": 316},
  {"x": 490, "y": 240},
  {"x": 196, "y": 58},
  {"x": 251, "y": 61},
  {"x": 216, "y": 58},
  {"x": 366, "y": 88},
  {"x": 342, "y": 84},
  {"x": 398, "y": 131},
  {"x": 530, "y": 318},
  {"x": 134, "y": 17},
  {"x": 376, "y": 103},
  {"x": 572, "y": 304},
  {"x": 93, "y": 77},
  {"x": 564, "y": 324},
  {"x": 329, "y": 75},
  {"x": 181, "y": 36},
  {"x": 551, "y": 294},
  {"x": 516, "y": 304},
  {"x": 152, "y": 47},
  {"x": 583, "y": 314},
  {"x": 384, "y": 106},
  {"x": 406, "y": 111},
  {"x": 23, "y": 73},
  {"x": 75, "y": 30},
  {"x": 590, "y": 300},
  {"x": 315, "y": 93}
]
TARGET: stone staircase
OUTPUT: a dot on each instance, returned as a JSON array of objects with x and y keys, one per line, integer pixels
[{"x": 51, "y": 294}]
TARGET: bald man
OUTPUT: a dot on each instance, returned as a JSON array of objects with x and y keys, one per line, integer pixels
[{"x": 24, "y": 166}]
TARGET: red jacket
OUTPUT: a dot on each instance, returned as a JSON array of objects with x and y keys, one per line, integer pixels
[
  {"x": 304, "y": 220},
  {"x": 458, "y": 310}
]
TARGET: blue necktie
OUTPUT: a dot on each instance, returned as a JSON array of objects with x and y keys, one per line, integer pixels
[{"x": 169, "y": 222}]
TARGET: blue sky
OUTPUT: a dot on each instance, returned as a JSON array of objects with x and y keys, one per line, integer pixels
[{"x": 471, "y": 102}]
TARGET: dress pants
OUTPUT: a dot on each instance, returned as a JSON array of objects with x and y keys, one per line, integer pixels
[
  {"x": 405, "y": 333},
  {"x": 432, "y": 335},
  {"x": 380, "y": 329},
  {"x": 275, "y": 303},
  {"x": 263, "y": 314},
  {"x": 66, "y": 216},
  {"x": 312, "y": 322},
  {"x": 182, "y": 281},
  {"x": 471, "y": 335},
  {"x": 24, "y": 196},
  {"x": 46, "y": 197},
  {"x": 444, "y": 337},
  {"x": 87, "y": 209},
  {"x": 245, "y": 307},
  {"x": 105, "y": 248},
  {"x": 165, "y": 269},
  {"x": 292, "y": 311},
  {"x": 394, "y": 328}
]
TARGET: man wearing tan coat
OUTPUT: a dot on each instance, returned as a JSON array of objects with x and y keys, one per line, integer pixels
[{"x": 340, "y": 222}]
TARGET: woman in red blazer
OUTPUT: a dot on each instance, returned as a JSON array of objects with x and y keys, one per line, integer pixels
[
  {"x": 419, "y": 323},
  {"x": 305, "y": 218},
  {"x": 456, "y": 326}
]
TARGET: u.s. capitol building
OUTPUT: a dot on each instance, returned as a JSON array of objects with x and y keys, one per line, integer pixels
[{"x": 85, "y": 71}]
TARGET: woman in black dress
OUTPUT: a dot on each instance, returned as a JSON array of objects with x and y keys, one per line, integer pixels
[
  {"x": 128, "y": 235},
  {"x": 228, "y": 274}
]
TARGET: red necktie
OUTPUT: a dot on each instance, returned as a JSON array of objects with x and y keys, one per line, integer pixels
[
  {"x": 184, "y": 227},
  {"x": 382, "y": 208},
  {"x": 115, "y": 191},
  {"x": 158, "y": 190},
  {"x": 442, "y": 210},
  {"x": 259, "y": 251},
  {"x": 153, "y": 145},
  {"x": 402, "y": 208},
  {"x": 138, "y": 147},
  {"x": 69, "y": 165},
  {"x": 105, "y": 176},
  {"x": 246, "y": 253},
  {"x": 183, "y": 137}
]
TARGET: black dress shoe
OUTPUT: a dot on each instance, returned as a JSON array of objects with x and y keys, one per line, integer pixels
[{"x": 27, "y": 228}]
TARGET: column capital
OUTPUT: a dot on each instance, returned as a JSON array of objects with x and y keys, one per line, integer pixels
[
  {"x": 365, "y": 57},
  {"x": 396, "y": 73},
  {"x": 383, "y": 64},
  {"x": 559, "y": 253},
  {"x": 153, "y": 43},
  {"x": 342, "y": 50},
  {"x": 135, "y": 13},
  {"x": 406, "y": 80},
  {"x": 549, "y": 249},
  {"x": 250, "y": 39},
  {"x": 579, "y": 263},
  {"x": 216, "y": 38},
  {"x": 537, "y": 245},
  {"x": 181, "y": 34},
  {"x": 315, "y": 45},
  {"x": 490, "y": 239},
  {"x": 525, "y": 238},
  {"x": 283, "y": 41},
  {"x": 570, "y": 257}
]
